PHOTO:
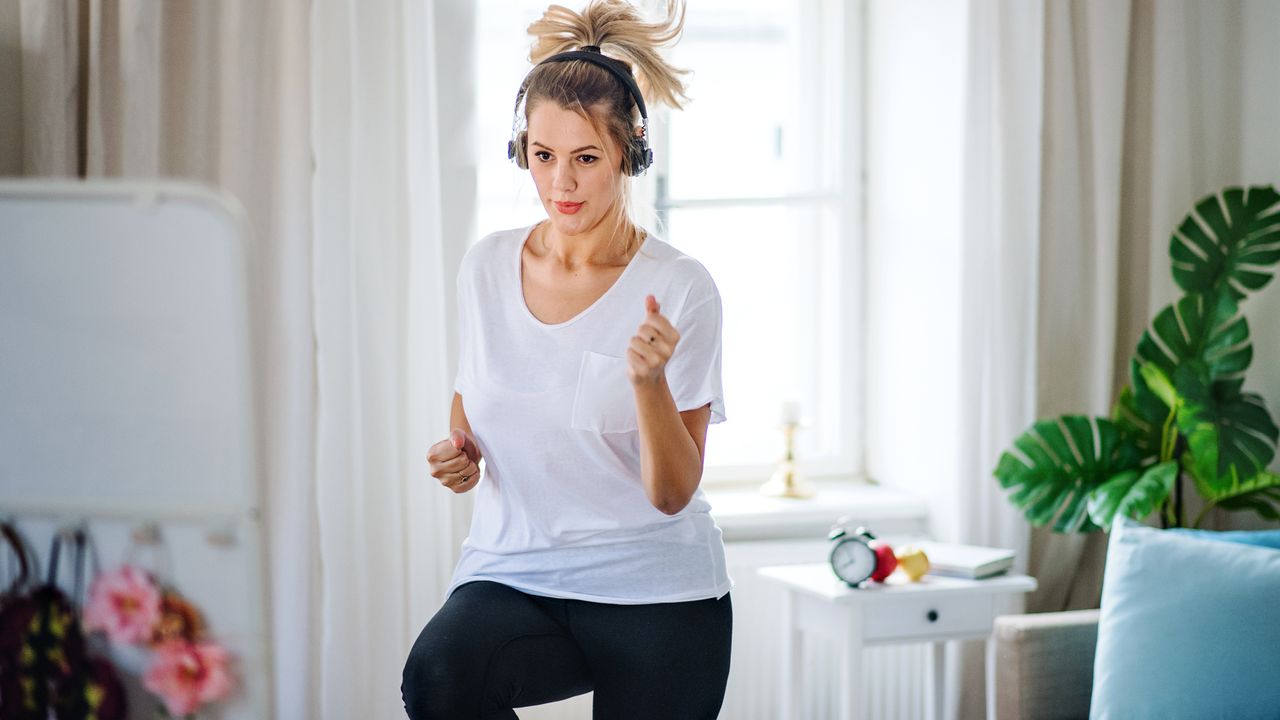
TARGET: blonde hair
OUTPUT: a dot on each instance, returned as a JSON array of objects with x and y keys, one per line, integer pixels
[{"x": 617, "y": 28}]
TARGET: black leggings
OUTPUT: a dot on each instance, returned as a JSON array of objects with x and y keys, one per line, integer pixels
[{"x": 492, "y": 648}]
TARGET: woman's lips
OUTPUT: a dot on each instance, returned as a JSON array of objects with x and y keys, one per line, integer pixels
[{"x": 568, "y": 208}]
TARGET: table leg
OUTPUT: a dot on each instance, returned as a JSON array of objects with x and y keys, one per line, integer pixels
[
  {"x": 937, "y": 679},
  {"x": 792, "y": 659},
  {"x": 850, "y": 702}
]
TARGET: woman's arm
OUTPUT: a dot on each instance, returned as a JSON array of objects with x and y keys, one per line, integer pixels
[
  {"x": 671, "y": 442},
  {"x": 671, "y": 446}
]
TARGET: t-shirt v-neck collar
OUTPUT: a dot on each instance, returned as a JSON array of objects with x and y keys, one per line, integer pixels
[{"x": 524, "y": 306}]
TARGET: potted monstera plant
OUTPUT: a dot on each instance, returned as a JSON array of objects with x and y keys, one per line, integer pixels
[{"x": 1184, "y": 412}]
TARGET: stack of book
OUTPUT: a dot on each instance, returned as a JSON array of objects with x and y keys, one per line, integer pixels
[{"x": 966, "y": 561}]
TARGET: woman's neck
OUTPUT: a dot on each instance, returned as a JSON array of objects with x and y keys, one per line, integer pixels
[{"x": 599, "y": 247}]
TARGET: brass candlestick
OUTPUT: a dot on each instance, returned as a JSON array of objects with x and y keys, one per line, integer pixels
[{"x": 786, "y": 480}]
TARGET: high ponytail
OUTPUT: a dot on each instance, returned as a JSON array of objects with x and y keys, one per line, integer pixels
[{"x": 616, "y": 27}]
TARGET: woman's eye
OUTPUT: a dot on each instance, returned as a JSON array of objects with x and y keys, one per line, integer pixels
[
  {"x": 588, "y": 159},
  {"x": 540, "y": 153}
]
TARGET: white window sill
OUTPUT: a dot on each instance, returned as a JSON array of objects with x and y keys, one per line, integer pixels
[{"x": 743, "y": 513}]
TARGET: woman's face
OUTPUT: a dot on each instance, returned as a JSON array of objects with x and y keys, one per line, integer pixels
[{"x": 578, "y": 189}]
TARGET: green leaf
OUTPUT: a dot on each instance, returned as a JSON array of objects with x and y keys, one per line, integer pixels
[
  {"x": 1261, "y": 494},
  {"x": 1134, "y": 493},
  {"x": 1159, "y": 383},
  {"x": 1056, "y": 464},
  {"x": 1207, "y": 327},
  {"x": 1229, "y": 434},
  {"x": 1229, "y": 241},
  {"x": 1138, "y": 415}
]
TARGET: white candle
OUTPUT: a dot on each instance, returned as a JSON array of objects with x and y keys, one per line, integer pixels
[{"x": 790, "y": 412}]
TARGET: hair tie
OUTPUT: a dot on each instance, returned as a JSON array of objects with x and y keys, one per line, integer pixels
[{"x": 590, "y": 48}]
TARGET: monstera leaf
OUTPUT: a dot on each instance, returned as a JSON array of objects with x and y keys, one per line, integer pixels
[
  {"x": 1206, "y": 328},
  {"x": 1260, "y": 494},
  {"x": 1229, "y": 434},
  {"x": 1228, "y": 241},
  {"x": 1141, "y": 415},
  {"x": 1059, "y": 463},
  {"x": 1203, "y": 327},
  {"x": 1135, "y": 493}
]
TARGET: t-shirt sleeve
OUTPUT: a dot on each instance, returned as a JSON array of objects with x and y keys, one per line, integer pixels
[{"x": 693, "y": 372}]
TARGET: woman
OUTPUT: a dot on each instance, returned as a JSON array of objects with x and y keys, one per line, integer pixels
[{"x": 590, "y": 370}]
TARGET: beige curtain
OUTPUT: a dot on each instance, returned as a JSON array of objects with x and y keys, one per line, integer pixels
[{"x": 324, "y": 119}]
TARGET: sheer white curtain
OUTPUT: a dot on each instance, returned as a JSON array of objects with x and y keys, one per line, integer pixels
[
  {"x": 337, "y": 125},
  {"x": 1000, "y": 275},
  {"x": 385, "y": 236}
]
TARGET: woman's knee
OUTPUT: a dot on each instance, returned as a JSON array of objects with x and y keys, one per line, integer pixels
[{"x": 435, "y": 684}]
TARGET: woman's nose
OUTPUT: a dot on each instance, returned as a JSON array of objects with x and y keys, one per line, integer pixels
[{"x": 563, "y": 178}]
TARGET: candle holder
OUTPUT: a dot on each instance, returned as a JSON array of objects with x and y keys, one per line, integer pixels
[{"x": 786, "y": 480}]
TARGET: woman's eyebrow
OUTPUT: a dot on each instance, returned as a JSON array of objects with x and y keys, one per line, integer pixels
[{"x": 588, "y": 147}]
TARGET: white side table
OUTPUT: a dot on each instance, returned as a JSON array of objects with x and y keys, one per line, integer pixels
[{"x": 934, "y": 610}]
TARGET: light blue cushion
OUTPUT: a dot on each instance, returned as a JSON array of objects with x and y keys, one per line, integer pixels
[
  {"x": 1261, "y": 538},
  {"x": 1189, "y": 628}
]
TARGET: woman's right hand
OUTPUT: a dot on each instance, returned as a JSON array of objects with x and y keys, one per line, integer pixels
[{"x": 455, "y": 461}]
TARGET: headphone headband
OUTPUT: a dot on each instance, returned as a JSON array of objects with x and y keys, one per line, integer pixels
[{"x": 592, "y": 54}]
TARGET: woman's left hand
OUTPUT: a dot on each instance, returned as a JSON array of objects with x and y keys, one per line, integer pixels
[{"x": 652, "y": 345}]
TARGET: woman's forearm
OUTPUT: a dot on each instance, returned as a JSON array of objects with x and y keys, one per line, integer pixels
[{"x": 670, "y": 464}]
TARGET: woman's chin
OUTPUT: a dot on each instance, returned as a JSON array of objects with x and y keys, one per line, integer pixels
[{"x": 569, "y": 224}]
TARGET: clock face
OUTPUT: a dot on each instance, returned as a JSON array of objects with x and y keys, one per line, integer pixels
[{"x": 852, "y": 560}]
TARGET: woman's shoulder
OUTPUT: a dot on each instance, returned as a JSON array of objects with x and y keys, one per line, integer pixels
[
  {"x": 498, "y": 238},
  {"x": 682, "y": 269},
  {"x": 488, "y": 250}
]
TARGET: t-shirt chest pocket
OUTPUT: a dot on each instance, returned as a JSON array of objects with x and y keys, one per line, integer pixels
[{"x": 603, "y": 400}]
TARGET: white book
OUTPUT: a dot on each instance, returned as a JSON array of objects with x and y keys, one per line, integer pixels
[{"x": 966, "y": 561}]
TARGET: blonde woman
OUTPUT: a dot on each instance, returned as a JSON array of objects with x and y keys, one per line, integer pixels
[{"x": 589, "y": 372}]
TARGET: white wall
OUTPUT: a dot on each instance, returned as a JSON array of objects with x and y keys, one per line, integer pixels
[{"x": 915, "y": 113}]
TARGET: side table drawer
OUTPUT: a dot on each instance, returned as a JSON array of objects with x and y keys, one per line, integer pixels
[{"x": 928, "y": 618}]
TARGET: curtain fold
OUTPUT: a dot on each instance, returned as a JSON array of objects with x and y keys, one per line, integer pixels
[
  {"x": 1086, "y": 53},
  {"x": 1000, "y": 274},
  {"x": 48, "y": 51}
]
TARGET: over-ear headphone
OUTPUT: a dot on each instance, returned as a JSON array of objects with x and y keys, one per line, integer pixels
[{"x": 638, "y": 153}]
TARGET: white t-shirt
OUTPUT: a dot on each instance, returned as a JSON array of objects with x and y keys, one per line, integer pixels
[{"x": 560, "y": 510}]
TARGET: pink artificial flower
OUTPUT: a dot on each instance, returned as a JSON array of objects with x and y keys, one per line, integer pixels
[
  {"x": 125, "y": 603},
  {"x": 186, "y": 674}
]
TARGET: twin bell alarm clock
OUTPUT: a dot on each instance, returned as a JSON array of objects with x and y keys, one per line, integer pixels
[{"x": 857, "y": 556}]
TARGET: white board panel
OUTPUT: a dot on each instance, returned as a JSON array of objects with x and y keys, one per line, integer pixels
[{"x": 127, "y": 397}]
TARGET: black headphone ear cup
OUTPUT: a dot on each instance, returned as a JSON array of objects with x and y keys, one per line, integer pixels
[
  {"x": 516, "y": 150},
  {"x": 639, "y": 156}
]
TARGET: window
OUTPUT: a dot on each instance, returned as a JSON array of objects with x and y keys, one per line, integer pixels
[{"x": 759, "y": 179}]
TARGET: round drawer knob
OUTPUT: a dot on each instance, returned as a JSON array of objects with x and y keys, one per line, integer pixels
[{"x": 932, "y": 615}]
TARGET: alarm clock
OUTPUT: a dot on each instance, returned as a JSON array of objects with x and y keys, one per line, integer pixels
[{"x": 857, "y": 556}]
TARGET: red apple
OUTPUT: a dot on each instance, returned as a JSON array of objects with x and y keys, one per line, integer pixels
[{"x": 886, "y": 561}]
